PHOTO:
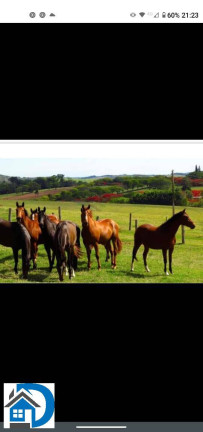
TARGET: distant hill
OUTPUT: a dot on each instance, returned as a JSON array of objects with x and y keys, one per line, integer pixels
[
  {"x": 4, "y": 178},
  {"x": 94, "y": 177},
  {"x": 180, "y": 174}
]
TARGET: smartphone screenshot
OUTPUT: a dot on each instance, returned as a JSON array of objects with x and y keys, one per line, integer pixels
[{"x": 101, "y": 210}]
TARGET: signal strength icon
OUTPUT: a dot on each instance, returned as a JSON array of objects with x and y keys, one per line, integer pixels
[
  {"x": 142, "y": 14},
  {"x": 157, "y": 15}
]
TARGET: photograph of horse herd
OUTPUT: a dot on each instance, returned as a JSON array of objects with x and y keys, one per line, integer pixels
[{"x": 97, "y": 244}]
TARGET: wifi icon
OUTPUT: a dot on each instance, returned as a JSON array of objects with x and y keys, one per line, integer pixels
[{"x": 142, "y": 14}]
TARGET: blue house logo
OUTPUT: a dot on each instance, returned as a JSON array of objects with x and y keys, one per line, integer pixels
[{"x": 30, "y": 406}]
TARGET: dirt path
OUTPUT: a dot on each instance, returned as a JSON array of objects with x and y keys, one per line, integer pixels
[{"x": 32, "y": 195}]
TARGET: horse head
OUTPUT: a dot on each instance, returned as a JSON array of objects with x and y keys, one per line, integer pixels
[
  {"x": 18, "y": 205},
  {"x": 20, "y": 211},
  {"x": 34, "y": 215},
  {"x": 84, "y": 215},
  {"x": 185, "y": 220},
  {"x": 41, "y": 216}
]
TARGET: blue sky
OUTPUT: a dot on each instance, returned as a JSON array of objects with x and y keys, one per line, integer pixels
[
  {"x": 76, "y": 160},
  {"x": 87, "y": 167}
]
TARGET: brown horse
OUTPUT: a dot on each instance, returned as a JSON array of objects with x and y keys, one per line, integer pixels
[
  {"x": 66, "y": 240},
  {"x": 15, "y": 235},
  {"x": 100, "y": 232},
  {"x": 33, "y": 228},
  {"x": 162, "y": 237},
  {"x": 34, "y": 215}
]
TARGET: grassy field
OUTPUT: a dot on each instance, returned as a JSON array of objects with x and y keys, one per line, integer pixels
[{"x": 187, "y": 258}]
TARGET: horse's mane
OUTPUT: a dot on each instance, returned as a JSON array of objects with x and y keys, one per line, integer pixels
[
  {"x": 90, "y": 214},
  {"x": 166, "y": 224},
  {"x": 26, "y": 213}
]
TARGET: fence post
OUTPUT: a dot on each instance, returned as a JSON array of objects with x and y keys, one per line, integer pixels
[
  {"x": 9, "y": 214},
  {"x": 59, "y": 212},
  {"x": 136, "y": 224},
  {"x": 183, "y": 234},
  {"x": 130, "y": 221}
]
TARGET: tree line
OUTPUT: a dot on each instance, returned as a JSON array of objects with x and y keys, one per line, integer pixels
[{"x": 20, "y": 185}]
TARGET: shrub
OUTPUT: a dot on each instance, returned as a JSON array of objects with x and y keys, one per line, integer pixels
[
  {"x": 159, "y": 197},
  {"x": 120, "y": 200},
  {"x": 195, "y": 203}
]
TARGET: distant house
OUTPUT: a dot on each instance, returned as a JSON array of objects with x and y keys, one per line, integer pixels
[{"x": 22, "y": 410}]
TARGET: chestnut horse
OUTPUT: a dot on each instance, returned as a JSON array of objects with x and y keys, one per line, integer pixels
[
  {"x": 15, "y": 235},
  {"x": 100, "y": 232},
  {"x": 33, "y": 229},
  {"x": 67, "y": 240},
  {"x": 162, "y": 237}
]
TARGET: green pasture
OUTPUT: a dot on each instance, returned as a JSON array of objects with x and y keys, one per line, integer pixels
[{"x": 187, "y": 258}]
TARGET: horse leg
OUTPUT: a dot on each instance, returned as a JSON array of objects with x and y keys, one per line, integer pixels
[
  {"x": 146, "y": 250},
  {"x": 34, "y": 249},
  {"x": 135, "y": 249},
  {"x": 74, "y": 261},
  {"x": 52, "y": 261},
  {"x": 111, "y": 251},
  {"x": 107, "y": 252},
  {"x": 88, "y": 249},
  {"x": 97, "y": 255},
  {"x": 114, "y": 254},
  {"x": 70, "y": 258},
  {"x": 164, "y": 251},
  {"x": 170, "y": 259},
  {"x": 49, "y": 256},
  {"x": 60, "y": 266},
  {"x": 15, "y": 254}
]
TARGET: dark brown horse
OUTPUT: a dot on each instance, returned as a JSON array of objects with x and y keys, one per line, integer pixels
[
  {"x": 48, "y": 230},
  {"x": 33, "y": 228},
  {"x": 162, "y": 237},
  {"x": 66, "y": 239},
  {"x": 52, "y": 217},
  {"x": 15, "y": 235},
  {"x": 100, "y": 232}
]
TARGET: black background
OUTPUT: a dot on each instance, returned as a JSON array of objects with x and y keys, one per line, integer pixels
[{"x": 115, "y": 352}]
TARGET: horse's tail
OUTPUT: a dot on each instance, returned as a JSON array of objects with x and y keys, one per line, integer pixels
[
  {"x": 137, "y": 243},
  {"x": 60, "y": 243},
  {"x": 77, "y": 254},
  {"x": 118, "y": 241},
  {"x": 78, "y": 235},
  {"x": 77, "y": 251},
  {"x": 118, "y": 244}
]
